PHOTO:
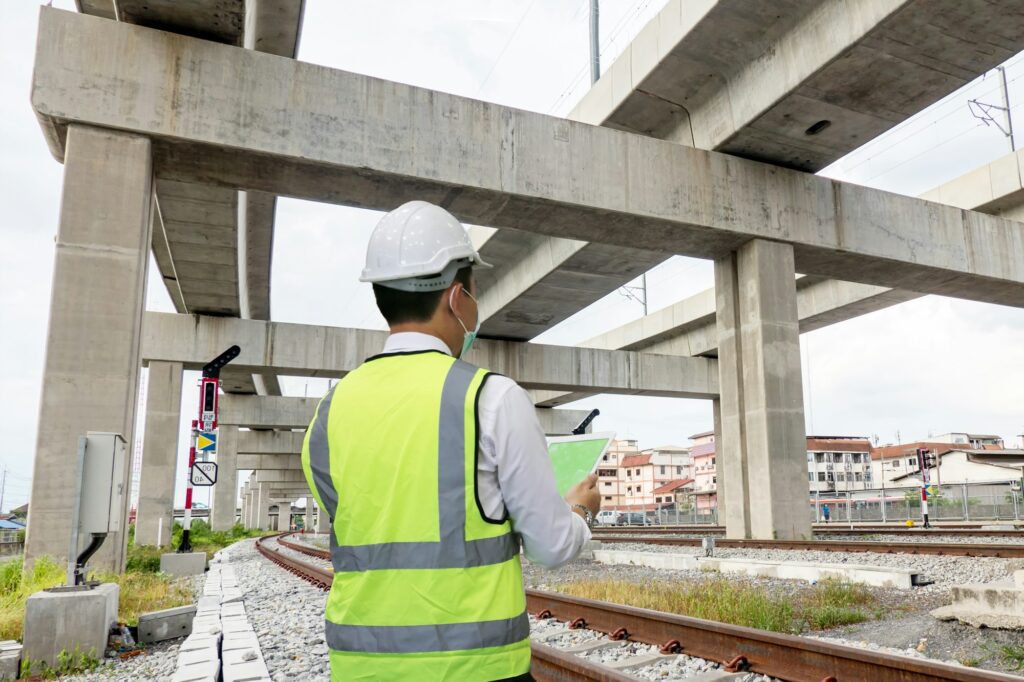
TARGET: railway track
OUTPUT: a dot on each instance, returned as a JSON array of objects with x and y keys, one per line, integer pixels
[
  {"x": 738, "y": 649},
  {"x": 836, "y": 529},
  {"x": 1005, "y": 551}
]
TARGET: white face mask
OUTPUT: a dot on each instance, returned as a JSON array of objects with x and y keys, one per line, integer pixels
[{"x": 469, "y": 336}]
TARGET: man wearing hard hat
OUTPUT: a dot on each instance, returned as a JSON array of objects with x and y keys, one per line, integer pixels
[{"x": 432, "y": 470}]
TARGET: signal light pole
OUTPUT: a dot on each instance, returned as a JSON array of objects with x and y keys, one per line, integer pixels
[{"x": 205, "y": 424}]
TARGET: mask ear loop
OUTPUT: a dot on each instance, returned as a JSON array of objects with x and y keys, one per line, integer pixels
[{"x": 451, "y": 307}]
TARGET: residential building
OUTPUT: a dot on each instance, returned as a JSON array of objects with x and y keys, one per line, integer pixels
[
  {"x": 608, "y": 483},
  {"x": 967, "y": 465},
  {"x": 975, "y": 441},
  {"x": 838, "y": 464},
  {"x": 890, "y": 462},
  {"x": 628, "y": 478},
  {"x": 705, "y": 478}
]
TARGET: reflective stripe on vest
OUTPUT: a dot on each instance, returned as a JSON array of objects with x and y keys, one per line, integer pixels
[{"x": 392, "y": 599}]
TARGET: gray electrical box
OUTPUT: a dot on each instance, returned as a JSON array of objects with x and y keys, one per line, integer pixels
[{"x": 103, "y": 492}]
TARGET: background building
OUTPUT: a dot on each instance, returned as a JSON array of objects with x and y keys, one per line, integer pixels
[{"x": 838, "y": 463}]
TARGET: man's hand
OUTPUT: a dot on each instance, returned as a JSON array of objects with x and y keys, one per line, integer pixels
[{"x": 585, "y": 492}]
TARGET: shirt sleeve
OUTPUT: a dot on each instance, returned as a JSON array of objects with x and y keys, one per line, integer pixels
[{"x": 552, "y": 533}]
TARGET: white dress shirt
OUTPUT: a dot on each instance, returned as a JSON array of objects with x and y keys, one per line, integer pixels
[{"x": 513, "y": 469}]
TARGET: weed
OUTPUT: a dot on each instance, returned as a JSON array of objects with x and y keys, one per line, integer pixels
[
  {"x": 970, "y": 662},
  {"x": 17, "y": 584},
  {"x": 1012, "y": 655},
  {"x": 828, "y": 604},
  {"x": 68, "y": 663}
]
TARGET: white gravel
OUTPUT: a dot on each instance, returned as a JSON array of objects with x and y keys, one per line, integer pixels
[
  {"x": 286, "y": 612},
  {"x": 944, "y": 570}
]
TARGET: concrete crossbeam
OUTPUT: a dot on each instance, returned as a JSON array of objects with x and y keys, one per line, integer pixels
[
  {"x": 787, "y": 66},
  {"x": 687, "y": 328},
  {"x": 283, "y": 462},
  {"x": 90, "y": 376},
  {"x": 282, "y": 476},
  {"x": 783, "y": 69},
  {"x": 270, "y": 442},
  {"x": 309, "y": 350},
  {"x": 277, "y": 412},
  {"x": 593, "y": 184}
]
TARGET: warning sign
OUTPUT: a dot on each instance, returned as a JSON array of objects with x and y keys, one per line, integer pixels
[{"x": 203, "y": 474}]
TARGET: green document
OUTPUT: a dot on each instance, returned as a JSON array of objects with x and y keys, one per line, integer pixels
[{"x": 573, "y": 457}]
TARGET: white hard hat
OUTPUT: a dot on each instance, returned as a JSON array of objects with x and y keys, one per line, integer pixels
[{"x": 415, "y": 241}]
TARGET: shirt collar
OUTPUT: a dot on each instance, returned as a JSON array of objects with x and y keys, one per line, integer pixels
[{"x": 404, "y": 342}]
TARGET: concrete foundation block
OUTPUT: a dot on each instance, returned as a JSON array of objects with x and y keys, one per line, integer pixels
[
  {"x": 192, "y": 563},
  {"x": 66, "y": 621},
  {"x": 991, "y": 605},
  {"x": 10, "y": 660},
  {"x": 200, "y": 672},
  {"x": 158, "y": 626}
]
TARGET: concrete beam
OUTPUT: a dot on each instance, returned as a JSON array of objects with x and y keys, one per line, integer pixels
[
  {"x": 308, "y": 350},
  {"x": 786, "y": 67},
  {"x": 282, "y": 462},
  {"x": 280, "y": 477},
  {"x": 590, "y": 183},
  {"x": 687, "y": 328},
  {"x": 269, "y": 442}
]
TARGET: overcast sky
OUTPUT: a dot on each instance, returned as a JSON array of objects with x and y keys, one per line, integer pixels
[{"x": 926, "y": 367}]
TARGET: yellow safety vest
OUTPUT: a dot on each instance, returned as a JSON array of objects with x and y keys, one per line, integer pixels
[{"x": 425, "y": 586}]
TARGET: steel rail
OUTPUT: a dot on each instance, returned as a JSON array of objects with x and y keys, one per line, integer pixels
[
  {"x": 1005, "y": 551},
  {"x": 547, "y": 663},
  {"x": 786, "y": 657},
  {"x": 836, "y": 529}
]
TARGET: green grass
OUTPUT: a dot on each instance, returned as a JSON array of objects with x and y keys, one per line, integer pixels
[
  {"x": 828, "y": 604},
  {"x": 146, "y": 558},
  {"x": 1012, "y": 656},
  {"x": 16, "y": 585}
]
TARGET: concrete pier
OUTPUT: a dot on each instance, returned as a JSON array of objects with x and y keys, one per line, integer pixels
[
  {"x": 90, "y": 380},
  {"x": 263, "y": 506},
  {"x": 323, "y": 522},
  {"x": 159, "y": 455},
  {"x": 762, "y": 460},
  {"x": 308, "y": 519},
  {"x": 225, "y": 492}
]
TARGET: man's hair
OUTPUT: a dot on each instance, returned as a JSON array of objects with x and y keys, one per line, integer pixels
[{"x": 399, "y": 306}]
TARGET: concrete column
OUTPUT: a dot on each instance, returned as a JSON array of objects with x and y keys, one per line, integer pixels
[
  {"x": 323, "y": 521},
  {"x": 730, "y": 447},
  {"x": 90, "y": 380},
  {"x": 242, "y": 503},
  {"x": 716, "y": 417},
  {"x": 225, "y": 491},
  {"x": 763, "y": 440},
  {"x": 773, "y": 400},
  {"x": 249, "y": 504},
  {"x": 308, "y": 521},
  {"x": 263, "y": 507},
  {"x": 159, "y": 455}
]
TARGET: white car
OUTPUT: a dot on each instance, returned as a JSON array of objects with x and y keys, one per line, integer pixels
[{"x": 608, "y": 517}]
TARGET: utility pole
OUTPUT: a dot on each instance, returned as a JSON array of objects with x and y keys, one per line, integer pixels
[
  {"x": 595, "y": 42},
  {"x": 1006, "y": 105},
  {"x": 983, "y": 111},
  {"x": 3, "y": 488}
]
